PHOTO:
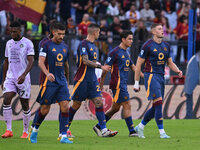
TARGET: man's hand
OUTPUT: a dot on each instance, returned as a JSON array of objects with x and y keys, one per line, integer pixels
[
  {"x": 106, "y": 68},
  {"x": 136, "y": 86},
  {"x": 180, "y": 73},
  {"x": 21, "y": 79},
  {"x": 50, "y": 77}
]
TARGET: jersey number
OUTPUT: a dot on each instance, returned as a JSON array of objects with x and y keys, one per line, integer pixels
[{"x": 98, "y": 88}]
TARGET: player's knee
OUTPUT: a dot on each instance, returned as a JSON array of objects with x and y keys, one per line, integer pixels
[
  {"x": 44, "y": 110},
  {"x": 98, "y": 103},
  {"x": 6, "y": 101},
  {"x": 76, "y": 105}
]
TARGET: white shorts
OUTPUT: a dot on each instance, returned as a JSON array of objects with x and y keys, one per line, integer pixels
[{"x": 24, "y": 89}]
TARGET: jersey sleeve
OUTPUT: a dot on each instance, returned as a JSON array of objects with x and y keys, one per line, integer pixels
[
  {"x": 83, "y": 49},
  {"x": 110, "y": 59},
  {"x": 43, "y": 50},
  {"x": 131, "y": 62},
  {"x": 144, "y": 52},
  {"x": 67, "y": 55},
  {"x": 169, "y": 49},
  {"x": 30, "y": 49}
]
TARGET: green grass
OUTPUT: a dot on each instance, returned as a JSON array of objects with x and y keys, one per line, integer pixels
[{"x": 185, "y": 135}]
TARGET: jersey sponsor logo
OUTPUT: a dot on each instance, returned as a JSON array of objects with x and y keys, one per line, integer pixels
[
  {"x": 142, "y": 52},
  {"x": 83, "y": 49},
  {"x": 59, "y": 57},
  {"x": 53, "y": 50},
  {"x": 123, "y": 56},
  {"x": 155, "y": 50},
  {"x": 91, "y": 49},
  {"x": 64, "y": 50}
]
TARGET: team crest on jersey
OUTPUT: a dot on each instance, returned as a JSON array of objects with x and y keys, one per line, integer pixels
[
  {"x": 123, "y": 56},
  {"x": 91, "y": 49},
  {"x": 53, "y": 50},
  {"x": 21, "y": 45},
  {"x": 64, "y": 50},
  {"x": 142, "y": 52},
  {"x": 155, "y": 50},
  {"x": 165, "y": 48},
  {"x": 83, "y": 49}
]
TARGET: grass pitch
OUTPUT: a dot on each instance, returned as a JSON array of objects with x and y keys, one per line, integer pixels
[{"x": 185, "y": 135}]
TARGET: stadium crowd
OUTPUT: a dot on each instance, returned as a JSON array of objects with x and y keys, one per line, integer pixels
[{"x": 113, "y": 16}]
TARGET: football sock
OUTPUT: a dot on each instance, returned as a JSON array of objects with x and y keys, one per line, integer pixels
[
  {"x": 107, "y": 118},
  {"x": 129, "y": 123},
  {"x": 72, "y": 112},
  {"x": 34, "y": 119},
  {"x": 39, "y": 119},
  {"x": 7, "y": 113},
  {"x": 148, "y": 115},
  {"x": 26, "y": 119},
  {"x": 158, "y": 116},
  {"x": 59, "y": 118},
  {"x": 64, "y": 120},
  {"x": 101, "y": 117}
]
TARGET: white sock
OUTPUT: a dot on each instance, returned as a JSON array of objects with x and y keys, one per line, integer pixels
[
  {"x": 64, "y": 135},
  {"x": 141, "y": 126},
  {"x": 161, "y": 131},
  {"x": 7, "y": 113},
  {"x": 104, "y": 130},
  {"x": 26, "y": 120},
  {"x": 35, "y": 130}
]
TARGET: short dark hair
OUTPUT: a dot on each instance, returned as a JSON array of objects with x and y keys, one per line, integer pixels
[
  {"x": 58, "y": 26},
  {"x": 155, "y": 25},
  {"x": 125, "y": 34},
  {"x": 52, "y": 25},
  {"x": 93, "y": 25},
  {"x": 15, "y": 24}
]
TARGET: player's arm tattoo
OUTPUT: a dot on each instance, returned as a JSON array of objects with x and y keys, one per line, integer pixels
[
  {"x": 67, "y": 71},
  {"x": 89, "y": 63}
]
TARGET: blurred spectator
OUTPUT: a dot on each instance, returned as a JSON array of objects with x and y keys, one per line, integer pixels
[
  {"x": 181, "y": 32},
  {"x": 101, "y": 8},
  {"x": 3, "y": 22},
  {"x": 140, "y": 36},
  {"x": 81, "y": 8},
  {"x": 103, "y": 28},
  {"x": 133, "y": 16},
  {"x": 116, "y": 26},
  {"x": 147, "y": 15},
  {"x": 71, "y": 28},
  {"x": 121, "y": 15},
  {"x": 50, "y": 9},
  {"x": 112, "y": 9},
  {"x": 83, "y": 26},
  {"x": 169, "y": 6},
  {"x": 158, "y": 15},
  {"x": 183, "y": 11},
  {"x": 166, "y": 28},
  {"x": 155, "y": 5},
  {"x": 36, "y": 30},
  {"x": 63, "y": 8}
]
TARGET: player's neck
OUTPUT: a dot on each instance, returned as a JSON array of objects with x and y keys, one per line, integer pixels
[
  {"x": 90, "y": 38},
  {"x": 18, "y": 38},
  {"x": 55, "y": 41},
  {"x": 123, "y": 46},
  {"x": 157, "y": 40}
]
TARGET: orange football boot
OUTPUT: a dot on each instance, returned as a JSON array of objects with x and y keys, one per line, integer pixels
[
  {"x": 7, "y": 134},
  {"x": 24, "y": 135}
]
